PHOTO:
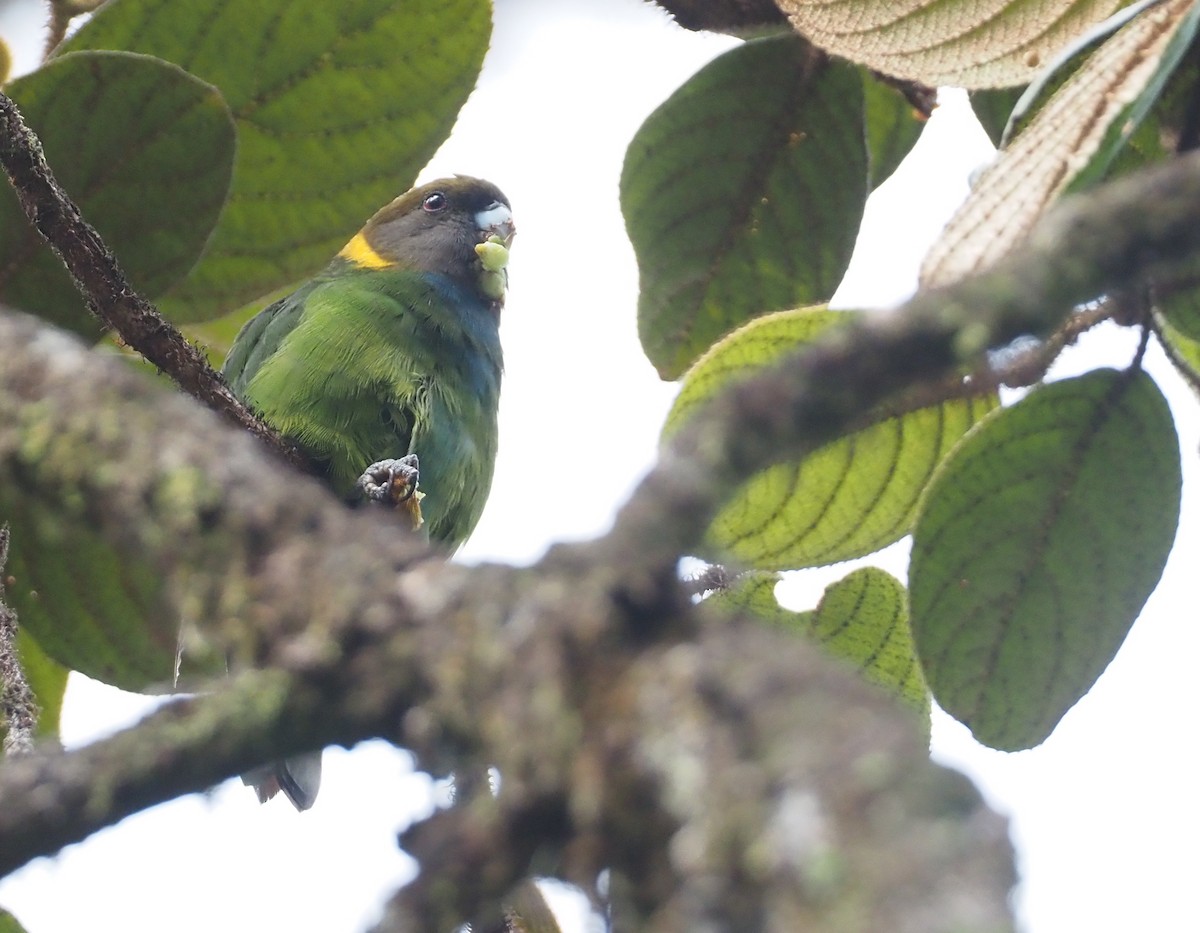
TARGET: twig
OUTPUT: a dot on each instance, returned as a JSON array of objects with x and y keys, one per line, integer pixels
[
  {"x": 714, "y": 577},
  {"x": 1028, "y": 367}
]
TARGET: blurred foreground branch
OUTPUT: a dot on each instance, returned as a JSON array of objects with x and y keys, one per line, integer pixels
[
  {"x": 18, "y": 706},
  {"x": 729, "y": 775}
]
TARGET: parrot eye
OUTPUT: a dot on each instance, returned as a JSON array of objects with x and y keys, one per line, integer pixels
[{"x": 434, "y": 203}]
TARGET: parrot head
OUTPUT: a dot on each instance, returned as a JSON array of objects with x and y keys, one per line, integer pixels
[{"x": 453, "y": 227}]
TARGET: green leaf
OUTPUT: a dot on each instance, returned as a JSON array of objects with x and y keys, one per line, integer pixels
[
  {"x": 754, "y": 592},
  {"x": 47, "y": 680},
  {"x": 1179, "y": 303},
  {"x": 892, "y": 127},
  {"x": 848, "y": 498},
  {"x": 144, "y": 149},
  {"x": 1182, "y": 350},
  {"x": 85, "y": 608},
  {"x": 992, "y": 108},
  {"x": 759, "y": 343},
  {"x": 862, "y": 619},
  {"x": 338, "y": 106},
  {"x": 1037, "y": 544},
  {"x": 87, "y": 605},
  {"x": 9, "y": 923},
  {"x": 743, "y": 194}
]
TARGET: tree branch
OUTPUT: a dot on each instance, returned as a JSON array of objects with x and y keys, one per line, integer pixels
[
  {"x": 104, "y": 287},
  {"x": 54, "y": 798},
  {"x": 1136, "y": 228},
  {"x": 365, "y": 635},
  {"x": 630, "y": 735}
]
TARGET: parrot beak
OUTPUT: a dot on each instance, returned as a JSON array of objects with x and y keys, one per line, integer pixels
[{"x": 496, "y": 220}]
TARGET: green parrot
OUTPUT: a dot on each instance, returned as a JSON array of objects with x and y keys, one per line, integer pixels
[{"x": 390, "y": 354}]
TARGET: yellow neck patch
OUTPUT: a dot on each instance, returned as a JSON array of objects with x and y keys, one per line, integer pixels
[{"x": 359, "y": 252}]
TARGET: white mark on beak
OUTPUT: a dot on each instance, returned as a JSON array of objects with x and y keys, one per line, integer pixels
[{"x": 497, "y": 218}]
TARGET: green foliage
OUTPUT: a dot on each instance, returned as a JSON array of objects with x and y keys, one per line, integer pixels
[
  {"x": 891, "y": 126},
  {"x": 993, "y": 108},
  {"x": 47, "y": 681},
  {"x": 338, "y": 105},
  {"x": 1183, "y": 350},
  {"x": 223, "y": 151},
  {"x": 227, "y": 150},
  {"x": 743, "y": 194},
  {"x": 1036, "y": 546},
  {"x": 861, "y": 619},
  {"x": 9, "y": 923},
  {"x": 1051, "y": 583},
  {"x": 85, "y": 606},
  {"x": 864, "y": 619},
  {"x": 847, "y": 499},
  {"x": 145, "y": 150},
  {"x": 1179, "y": 303}
]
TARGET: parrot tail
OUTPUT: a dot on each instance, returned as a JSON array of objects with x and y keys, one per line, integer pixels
[{"x": 299, "y": 778}]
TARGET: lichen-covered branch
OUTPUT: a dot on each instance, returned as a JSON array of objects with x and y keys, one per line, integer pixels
[
  {"x": 52, "y": 798},
  {"x": 632, "y": 734},
  {"x": 19, "y": 708},
  {"x": 362, "y": 633},
  {"x": 102, "y": 283}
]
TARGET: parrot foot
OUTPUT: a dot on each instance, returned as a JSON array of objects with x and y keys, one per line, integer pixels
[{"x": 394, "y": 483}]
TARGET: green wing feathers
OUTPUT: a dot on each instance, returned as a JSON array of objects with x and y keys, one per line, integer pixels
[{"x": 367, "y": 365}]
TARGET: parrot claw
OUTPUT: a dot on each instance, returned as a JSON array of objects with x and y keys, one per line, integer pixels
[
  {"x": 391, "y": 481},
  {"x": 394, "y": 483}
]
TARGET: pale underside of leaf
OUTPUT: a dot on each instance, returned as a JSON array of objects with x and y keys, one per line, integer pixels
[
  {"x": 1014, "y": 191},
  {"x": 757, "y": 343},
  {"x": 846, "y": 499},
  {"x": 989, "y": 43},
  {"x": 864, "y": 619},
  {"x": 849, "y": 498}
]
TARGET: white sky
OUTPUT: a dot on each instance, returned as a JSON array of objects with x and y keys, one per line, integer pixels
[{"x": 1104, "y": 813}]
